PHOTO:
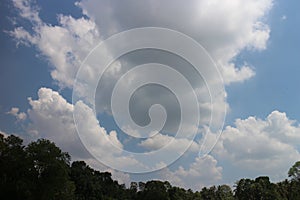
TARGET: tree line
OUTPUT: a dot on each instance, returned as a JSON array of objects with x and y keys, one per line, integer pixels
[{"x": 41, "y": 171}]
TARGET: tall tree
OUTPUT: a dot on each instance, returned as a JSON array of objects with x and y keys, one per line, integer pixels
[
  {"x": 294, "y": 171},
  {"x": 14, "y": 179},
  {"x": 87, "y": 185},
  {"x": 224, "y": 192},
  {"x": 49, "y": 170},
  {"x": 243, "y": 189},
  {"x": 155, "y": 190},
  {"x": 209, "y": 193},
  {"x": 260, "y": 188}
]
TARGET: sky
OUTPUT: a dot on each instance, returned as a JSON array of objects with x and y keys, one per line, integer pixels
[{"x": 245, "y": 86}]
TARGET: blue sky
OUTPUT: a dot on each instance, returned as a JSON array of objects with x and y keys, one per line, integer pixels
[
  {"x": 262, "y": 122},
  {"x": 276, "y": 68}
]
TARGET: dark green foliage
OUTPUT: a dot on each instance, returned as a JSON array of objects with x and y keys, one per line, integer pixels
[
  {"x": 92, "y": 184},
  {"x": 294, "y": 171},
  {"x": 208, "y": 193},
  {"x": 155, "y": 190},
  {"x": 289, "y": 189},
  {"x": 49, "y": 170},
  {"x": 176, "y": 193},
  {"x": 42, "y": 171},
  {"x": 260, "y": 188},
  {"x": 224, "y": 192},
  {"x": 14, "y": 176}
]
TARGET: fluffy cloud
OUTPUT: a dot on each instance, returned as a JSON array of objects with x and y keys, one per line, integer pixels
[
  {"x": 257, "y": 146},
  {"x": 27, "y": 10},
  {"x": 159, "y": 140},
  {"x": 201, "y": 172},
  {"x": 64, "y": 45},
  {"x": 224, "y": 28},
  {"x": 51, "y": 117},
  {"x": 20, "y": 116}
]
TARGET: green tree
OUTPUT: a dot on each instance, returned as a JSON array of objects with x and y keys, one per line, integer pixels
[
  {"x": 176, "y": 193},
  {"x": 264, "y": 189},
  {"x": 224, "y": 192},
  {"x": 14, "y": 178},
  {"x": 87, "y": 185},
  {"x": 294, "y": 171},
  {"x": 288, "y": 190},
  {"x": 283, "y": 189},
  {"x": 209, "y": 193},
  {"x": 92, "y": 184},
  {"x": 260, "y": 188},
  {"x": 49, "y": 170},
  {"x": 39, "y": 171},
  {"x": 154, "y": 190},
  {"x": 42, "y": 171},
  {"x": 294, "y": 190},
  {"x": 243, "y": 190},
  {"x": 142, "y": 186}
]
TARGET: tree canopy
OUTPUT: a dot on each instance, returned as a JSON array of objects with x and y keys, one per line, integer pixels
[
  {"x": 294, "y": 171},
  {"x": 41, "y": 170}
]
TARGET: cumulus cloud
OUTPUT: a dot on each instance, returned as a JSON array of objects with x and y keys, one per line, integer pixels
[
  {"x": 261, "y": 146},
  {"x": 28, "y": 10},
  {"x": 201, "y": 172},
  {"x": 51, "y": 117},
  {"x": 224, "y": 28},
  {"x": 160, "y": 140},
  {"x": 65, "y": 45},
  {"x": 20, "y": 116}
]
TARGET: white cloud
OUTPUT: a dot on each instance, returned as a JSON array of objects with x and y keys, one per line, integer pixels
[
  {"x": 176, "y": 144},
  {"x": 254, "y": 145},
  {"x": 224, "y": 28},
  {"x": 201, "y": 172},
  {"x": 259, "y": 146},
  {"x": 230, "y": 72},
  {"x": 52, "y": 118},
  {"x": 27, "y": 10},
  {"x": 20, "y": 116},
  {"x": 65, "y": 45}
]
